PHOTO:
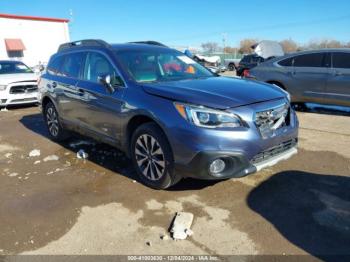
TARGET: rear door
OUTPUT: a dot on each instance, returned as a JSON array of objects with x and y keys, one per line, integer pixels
[
  {"x": 338, "y": 84},
  {"x": 67, "y": 79},
  {"x": 309, "y": 76},
  {"x": 99, "y": 109},
  {"x": 61, "y": 79}
]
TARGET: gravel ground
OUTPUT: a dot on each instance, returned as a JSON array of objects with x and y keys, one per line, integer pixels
[{"x": 54, "y": 203}]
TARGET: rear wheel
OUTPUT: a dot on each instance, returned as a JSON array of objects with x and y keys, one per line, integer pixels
[
  {"x": 152, "y": 157},
  {"x": 53, "y": 124}
]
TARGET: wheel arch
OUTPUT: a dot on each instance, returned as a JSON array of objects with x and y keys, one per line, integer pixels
[
  {"x": 134, "y": 123},
  {"x": 278, "y": 83},
  {"x": 45, "y": 101}
]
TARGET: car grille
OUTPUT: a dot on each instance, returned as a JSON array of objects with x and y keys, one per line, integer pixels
[
  {"x": 273, "y": 151},
  {"x": 270, "y": 120},
  {"x": 30, "y": 99},
  {"x": 23, "y": 89}
]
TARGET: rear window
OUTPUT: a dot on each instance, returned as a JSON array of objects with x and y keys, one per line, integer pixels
[
  {"x": 341, "y": 60},
  {"x": 309, "y": 60}
]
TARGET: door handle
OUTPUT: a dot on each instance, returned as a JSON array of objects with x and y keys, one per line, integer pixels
[{"x": 338, "y": 74}]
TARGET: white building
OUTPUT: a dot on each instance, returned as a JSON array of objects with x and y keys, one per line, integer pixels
[{"x": 31, "y": 39}]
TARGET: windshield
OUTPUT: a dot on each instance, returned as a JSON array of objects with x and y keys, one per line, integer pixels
[
  {"x": 160, "y": 65},
  {"x": 14, "y": 68}
]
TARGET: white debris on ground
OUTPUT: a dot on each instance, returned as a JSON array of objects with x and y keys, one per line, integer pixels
[
  {"x": 55, "y": 171},
  {"x": 34, "y": 153},
  {"x": 81, "y": 142},
  {"x": 13, "y": 174},
  {"x": 8, "y": 155},
  {"x": 181, "y": 226},
  {"x": 4, "y": 109},
  {"x": 81, "y": 154},
  {"x": 37, "y": 162},
  {"x": 51, "y": 158}
]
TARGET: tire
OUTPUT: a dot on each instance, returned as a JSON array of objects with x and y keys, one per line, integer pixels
[
  {"x": 301, "y": 107},
  {"x": 152, "y": 157},
  {"x": 231, "y": 67},
  {"x": 53, "y": 124}
]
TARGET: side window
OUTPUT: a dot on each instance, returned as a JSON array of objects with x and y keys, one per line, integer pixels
[
  {"x": 286, "y": 62},
  {"x": 309, "y": 60},
  {"x": 97, "y": 65},
  {"x": 246, "y": 59},
  {"x": 255, "y": 59},
  {"x": 341, "y": 60},
  {"x": 54, "y": 65},
  {"x": 72, "y": 64}
]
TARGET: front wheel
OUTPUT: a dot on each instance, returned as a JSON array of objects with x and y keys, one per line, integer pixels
[
  {"x": 301, "y": 107},
  {"x": 152, "y": 157}
]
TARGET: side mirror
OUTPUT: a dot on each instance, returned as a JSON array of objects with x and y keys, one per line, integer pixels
[
  {"x": 41, "y": 68},
  {"x": 106, "y": 81}
]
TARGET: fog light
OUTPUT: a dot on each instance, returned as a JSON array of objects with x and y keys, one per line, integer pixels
[{"x": 217, "y": 166}]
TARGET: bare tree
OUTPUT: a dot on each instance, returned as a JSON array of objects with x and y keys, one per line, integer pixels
[
  {"x": 245, "y": 46},
  {"x": 289, "y": 45},
  {"x": 325, "y": 43},
  {"x": 210, "y": 47}
]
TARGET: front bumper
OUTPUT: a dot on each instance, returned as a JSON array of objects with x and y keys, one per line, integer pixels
[
  {"x": 28, "y": 96},
  {"x": 237, "y": 164},
  {"x": 246, "y": 150}
]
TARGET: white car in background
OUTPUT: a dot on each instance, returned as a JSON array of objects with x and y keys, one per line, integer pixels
[{"x": 18, "y": 84}]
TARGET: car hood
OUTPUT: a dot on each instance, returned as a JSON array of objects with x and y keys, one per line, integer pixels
[
  {"x": 13, "y": 78},
  {"x": 215, "y": 92}
]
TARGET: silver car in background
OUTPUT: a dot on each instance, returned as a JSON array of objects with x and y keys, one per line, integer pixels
[{"x": 318, "y": 76}]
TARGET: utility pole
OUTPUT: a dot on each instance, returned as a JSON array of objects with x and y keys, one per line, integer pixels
[
  {"x": 224, "y": 39},
  {"x": 71, "y": 21}
]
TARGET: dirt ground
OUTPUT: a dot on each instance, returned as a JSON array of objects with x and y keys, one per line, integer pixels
[{"x": 54, "y": 203}]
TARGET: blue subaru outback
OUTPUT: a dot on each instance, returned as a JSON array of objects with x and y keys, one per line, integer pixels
[{"x": 170, "y": 115}]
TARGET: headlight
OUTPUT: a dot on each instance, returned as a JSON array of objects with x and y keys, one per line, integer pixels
[
  {"x": 2, "y": 87},
  {"x": 206, "y": 117}
]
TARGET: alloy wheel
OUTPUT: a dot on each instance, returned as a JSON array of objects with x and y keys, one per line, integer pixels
[
  {"x": 150, "y": 157},
  {"x": 52, "y": 121}
]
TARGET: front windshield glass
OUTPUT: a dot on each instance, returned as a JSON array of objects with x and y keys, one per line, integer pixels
[
  {"x": 160, "y": 65},
  {"x": 14, "y": 68}
]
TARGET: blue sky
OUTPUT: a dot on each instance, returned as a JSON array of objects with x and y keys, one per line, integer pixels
[{"x": 193, "y": 22}]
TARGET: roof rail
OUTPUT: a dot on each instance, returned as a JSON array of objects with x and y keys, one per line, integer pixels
[
  {"x": 150, "y": 42},
  {"x": 86, "y": 42}
]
